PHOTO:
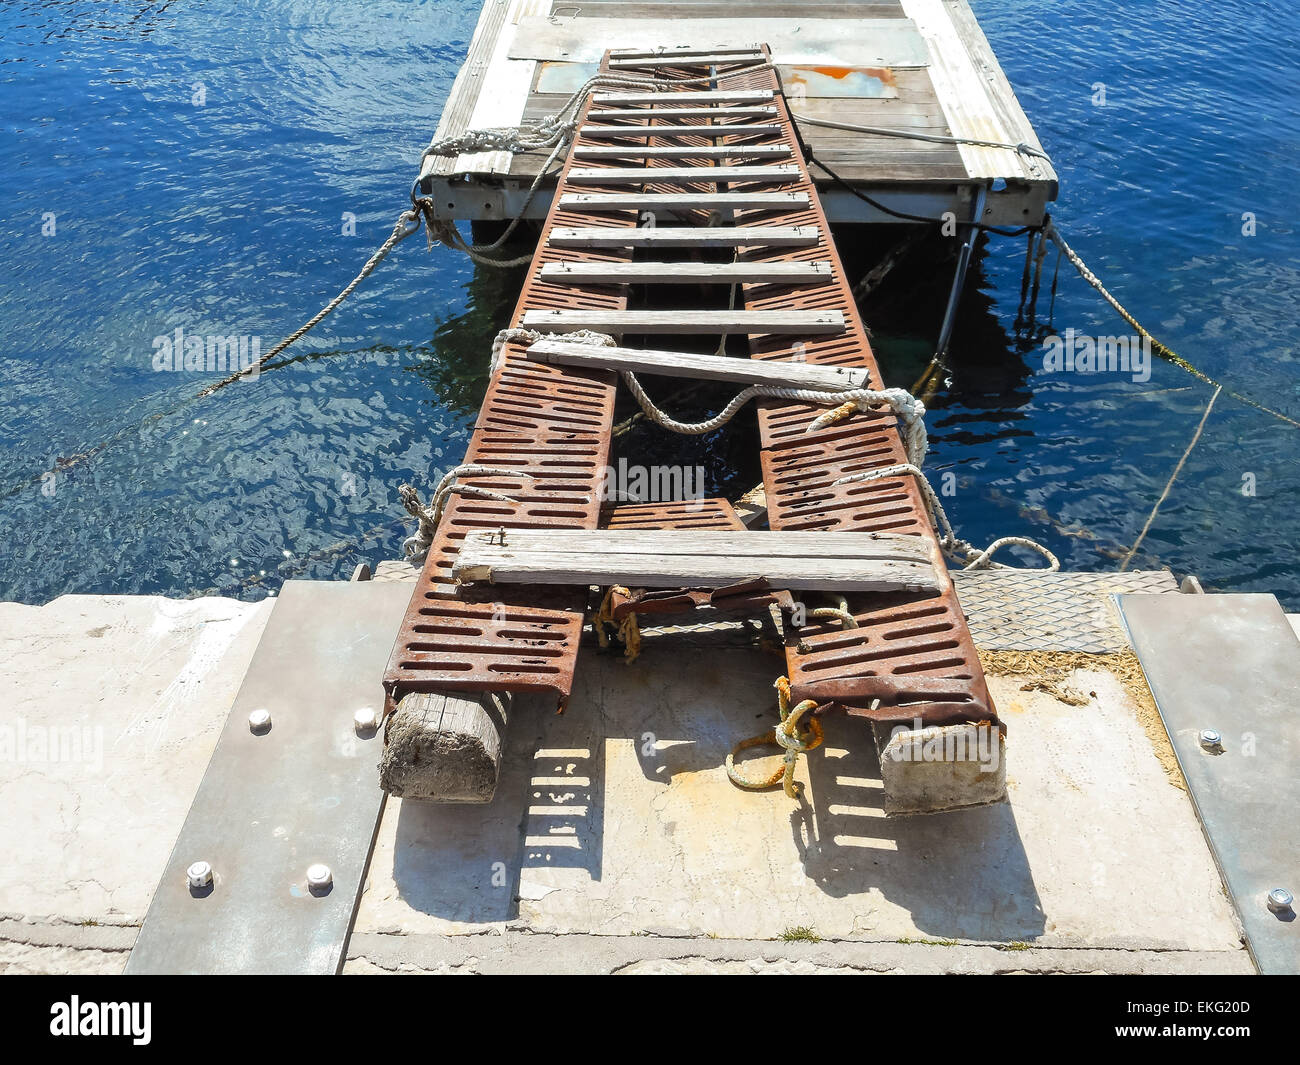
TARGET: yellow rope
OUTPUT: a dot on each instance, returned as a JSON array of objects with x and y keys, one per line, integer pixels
[
  {"x": 630, "y": 633},
  {"x": 1163, "y": 350},
  {"x": 628, "y": 629},
  {"x": 787, "y": 736},
  {"x": 832, "y": 417}
]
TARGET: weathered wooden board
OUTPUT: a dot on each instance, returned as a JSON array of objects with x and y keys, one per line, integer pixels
[
  {"x": 683, "y": 201},
  {"x": 681, "y": 151},
  {"x": 656, "y": 273},
  {"x": 813, "y": 323},
  {"x": 685, "y": 96},
  {"x": 697, "y": 558},
  {"x": 630, "y": 175},
  {"x": 975, "y": 103},
  {"x": 727, "y": 9},
  {"x": 821, "y": 378},
  {"x": 683, "y": 237},
  {"x": 685, "y": 112},
  {"x": 679, "y": 129}
]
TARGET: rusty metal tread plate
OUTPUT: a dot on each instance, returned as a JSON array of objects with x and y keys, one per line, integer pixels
[
  {"x": 454, "y": 644},
  {"x": 553, "y": 424},
  {"x": 1033, "y": 610},
  {"x": 1232, "y": 663},
  {"x": 684, "y": 514},
  {"x": 271, "y": 805},
  {"x": 905, "y": 647}
]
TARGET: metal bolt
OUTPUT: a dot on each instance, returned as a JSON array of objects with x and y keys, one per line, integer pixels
[
  {"x": 319, "y": 877},
  {"x": 365, "y": 720},
  {"x": 1280, "y": 900},
  {"x": 199, "y": 875},
  {"x": 1210, "y": 739},
  {"x": 259, "y": 721}
]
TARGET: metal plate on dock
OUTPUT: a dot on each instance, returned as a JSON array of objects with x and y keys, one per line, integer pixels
[
  {"x": 1231, "y": 663},
  {"x": 1033, "y": 610},
  {"x": 304, "y": 791}
]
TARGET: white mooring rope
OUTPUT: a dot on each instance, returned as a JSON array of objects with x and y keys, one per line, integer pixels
[{"x": 948, "y": 538}]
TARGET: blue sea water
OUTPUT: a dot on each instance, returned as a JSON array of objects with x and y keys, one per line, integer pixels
[{"x": 194, "y": 166}]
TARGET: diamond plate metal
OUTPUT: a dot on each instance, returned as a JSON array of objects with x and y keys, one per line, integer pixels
[{"x": 1011, "y": 610}]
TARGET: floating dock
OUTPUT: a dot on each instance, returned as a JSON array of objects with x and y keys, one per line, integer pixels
[{"x": 903, "y": 65}]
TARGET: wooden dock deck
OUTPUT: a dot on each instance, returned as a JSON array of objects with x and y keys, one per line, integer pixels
[{"x": 921, "y": 65}]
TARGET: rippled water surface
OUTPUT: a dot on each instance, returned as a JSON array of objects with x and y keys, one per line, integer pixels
[{"x": 197, "y": 161}]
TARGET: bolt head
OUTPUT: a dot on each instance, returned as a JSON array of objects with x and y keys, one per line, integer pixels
[
  {"x": 1210, "y": 739},
  {"x": 319, "y": 876},
  {"x": 199, "y": 875},
  {"x": 365, "y": 720},
  {"x": 1280, "y": 900},
  {"x": 259, "y": 722}
]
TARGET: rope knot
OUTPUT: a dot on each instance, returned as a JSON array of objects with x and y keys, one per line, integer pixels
[{"x": 788, "y": 736}]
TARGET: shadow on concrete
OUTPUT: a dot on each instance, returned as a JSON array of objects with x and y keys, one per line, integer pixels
[
  {"x": 473, "y": 864},
  {"x": 961, "y": 875}
]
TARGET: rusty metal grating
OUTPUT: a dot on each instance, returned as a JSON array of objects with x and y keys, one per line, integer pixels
[
  {"x": 914, "y": 654},
  {"x": 684, "y": 514},
  {"x": 457, "y": 644}
]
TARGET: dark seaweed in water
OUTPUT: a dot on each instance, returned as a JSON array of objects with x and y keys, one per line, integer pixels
[{"x": 196, "y": 166}]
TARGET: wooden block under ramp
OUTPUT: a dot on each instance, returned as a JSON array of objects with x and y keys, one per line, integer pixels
[
  {"x": 445, "y": 746},
  {"x": 799, "y": 561},
  {"x": 822, "y": 378}
]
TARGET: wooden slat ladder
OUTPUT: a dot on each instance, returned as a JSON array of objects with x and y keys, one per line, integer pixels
[{"x": 489, "y": 618}]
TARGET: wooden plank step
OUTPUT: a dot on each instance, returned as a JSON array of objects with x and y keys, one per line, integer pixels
[
  {"x": 684, "y": 201},
  {"x": 669, "y": 129},
  {"x": 684, "y": 236},
  {"x": 701, "y": 367},
  {"x": 597, "y": 175},
  {"x": 686, "y": 112},
  {"x": 704, "y": 96},
  {"x": 676, "y": 558},
  {"x": 810, "y": 323},
  {"x": 682, "y": 151},
  {"x": 657, "y": 273}
]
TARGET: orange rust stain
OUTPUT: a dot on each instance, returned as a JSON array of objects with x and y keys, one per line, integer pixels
[{"x": 884, "y": 75}]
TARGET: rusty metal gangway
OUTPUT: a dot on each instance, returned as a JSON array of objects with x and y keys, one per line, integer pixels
[{"x": 655, "y": 183}]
